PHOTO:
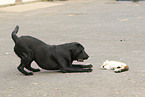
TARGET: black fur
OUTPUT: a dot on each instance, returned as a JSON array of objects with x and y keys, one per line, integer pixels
[{"x": 48, "y": 57}]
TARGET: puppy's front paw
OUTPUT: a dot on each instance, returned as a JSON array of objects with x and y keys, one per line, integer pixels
[
  {"x": 90, "y": 66},
  {"x": 89, "y": 70}
]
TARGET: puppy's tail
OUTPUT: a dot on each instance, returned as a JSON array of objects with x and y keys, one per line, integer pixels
[{"x": 14, "y": 36}]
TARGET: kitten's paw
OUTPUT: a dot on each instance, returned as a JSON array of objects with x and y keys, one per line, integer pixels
[{"x": 117, "y": 70}]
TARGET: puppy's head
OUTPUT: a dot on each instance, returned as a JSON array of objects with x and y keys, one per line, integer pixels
[{"x": 78, "y": 53}]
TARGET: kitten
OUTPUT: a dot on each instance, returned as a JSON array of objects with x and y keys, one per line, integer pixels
[{"x": 115, "y": 65}]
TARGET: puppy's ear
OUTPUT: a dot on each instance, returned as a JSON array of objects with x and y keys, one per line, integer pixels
[
  {"x": 74, "y": 46},
  {"x": 76, "y": 43}
]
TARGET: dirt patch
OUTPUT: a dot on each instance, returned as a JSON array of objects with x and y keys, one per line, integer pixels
[{"x": 30, "y": 6}]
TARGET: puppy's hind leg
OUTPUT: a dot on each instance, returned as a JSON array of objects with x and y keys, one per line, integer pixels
[
  {"x": 25, "y": 63},
  {"x": 31, "y": 69},
  {"x": 21, "y": 69},
  {"x": 26, "y": 60}
]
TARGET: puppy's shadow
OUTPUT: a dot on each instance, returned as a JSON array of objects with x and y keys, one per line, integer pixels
[{"x": 49, "y": 71}]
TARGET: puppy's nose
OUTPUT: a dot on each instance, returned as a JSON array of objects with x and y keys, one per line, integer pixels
[{"x": 87, "y": 56}]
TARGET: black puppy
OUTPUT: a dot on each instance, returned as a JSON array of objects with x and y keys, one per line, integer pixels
[{"x": 49, "y": 57}]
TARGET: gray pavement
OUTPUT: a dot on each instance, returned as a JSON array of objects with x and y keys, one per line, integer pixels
[{"x": 109, "y": 30}]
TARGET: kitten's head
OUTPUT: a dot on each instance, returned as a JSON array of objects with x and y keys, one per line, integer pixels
[{"x": 106, "y": 65}]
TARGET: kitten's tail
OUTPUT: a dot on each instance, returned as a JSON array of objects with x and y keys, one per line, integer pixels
[
  {"x": 126, "y": 68},
  {"x": 14, "y": 36}
]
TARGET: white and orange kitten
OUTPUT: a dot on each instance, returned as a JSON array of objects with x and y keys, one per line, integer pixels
[{"x": 115, "y": 65}]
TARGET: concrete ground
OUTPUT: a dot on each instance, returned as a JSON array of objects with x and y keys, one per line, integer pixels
[{"x": 109, "y": 30}]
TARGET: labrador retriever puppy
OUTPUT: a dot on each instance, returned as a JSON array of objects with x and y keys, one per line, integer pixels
[{"x": 48, "y": 57}]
